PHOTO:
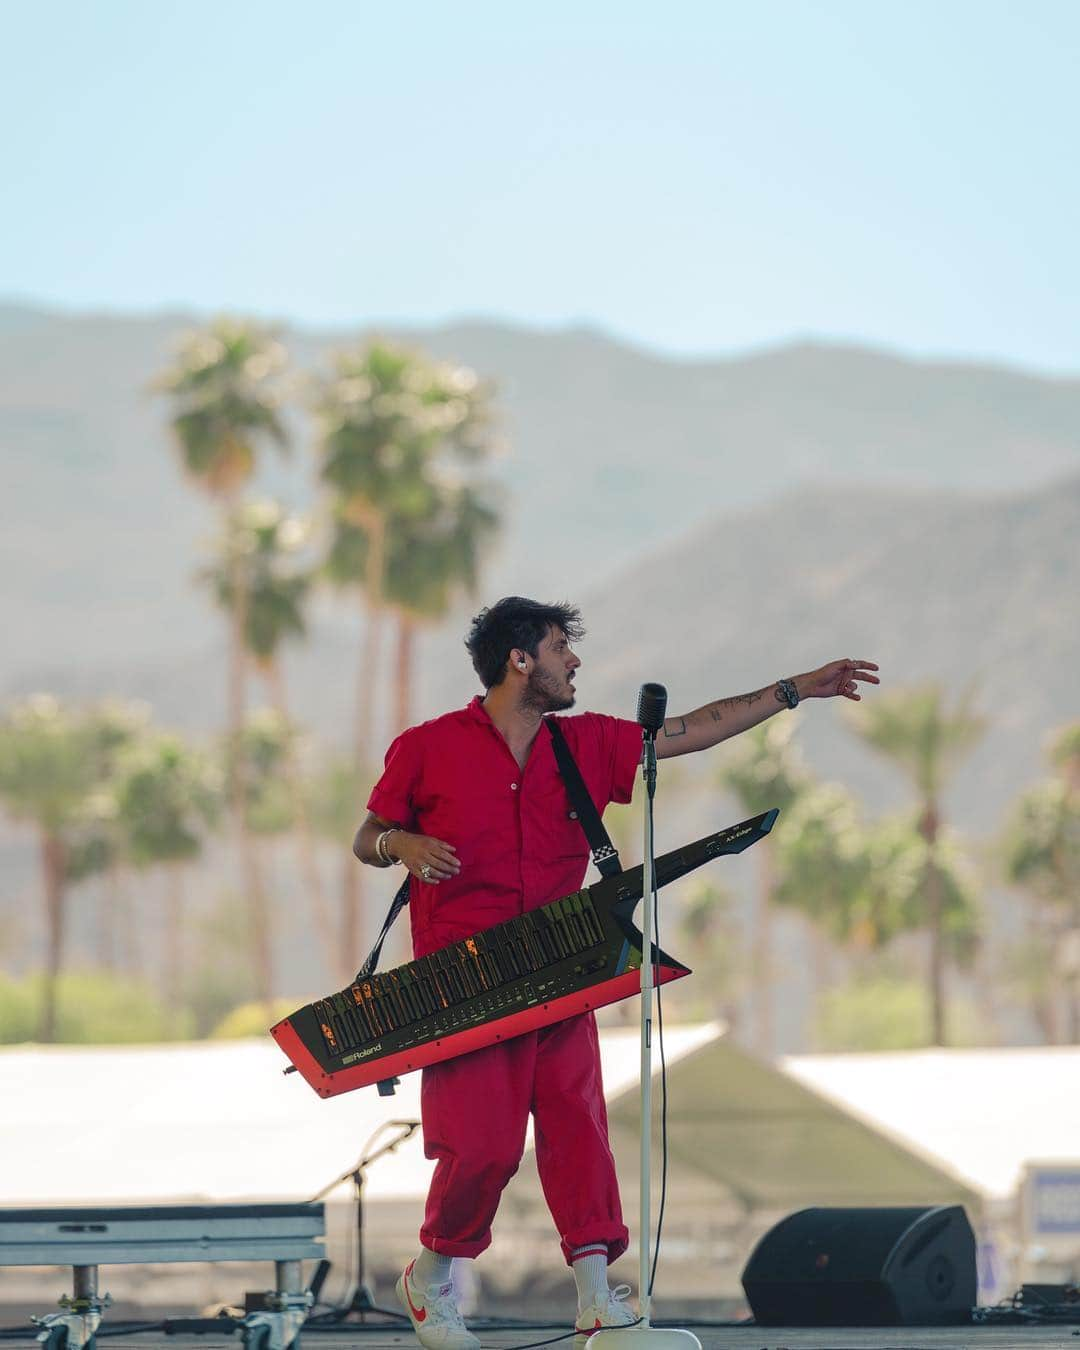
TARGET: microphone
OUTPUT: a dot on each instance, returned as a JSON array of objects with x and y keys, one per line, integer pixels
[{"x": 651, "y": 707}]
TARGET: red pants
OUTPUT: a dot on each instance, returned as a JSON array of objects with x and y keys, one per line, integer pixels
[{"x": 475, "y": 1110}]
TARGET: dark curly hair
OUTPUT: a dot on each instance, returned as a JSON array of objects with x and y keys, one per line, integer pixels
[{"x": 515, "y": 622}]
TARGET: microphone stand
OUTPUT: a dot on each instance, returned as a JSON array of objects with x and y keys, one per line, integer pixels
[
  {"x": 361, "y": 1300},
  {"x": 643, "y": 1335}
]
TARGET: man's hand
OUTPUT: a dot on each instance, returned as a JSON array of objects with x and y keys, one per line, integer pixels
[
  {"x": 431, "y": 860},
  {"x": 838, "y": 677}
]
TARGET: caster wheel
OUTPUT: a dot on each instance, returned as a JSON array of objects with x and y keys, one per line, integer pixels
[{"x": 256, "y": 1338}]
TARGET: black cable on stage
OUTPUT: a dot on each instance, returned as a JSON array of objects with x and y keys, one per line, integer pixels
[
  {"x": 533, "y": 1345},
  {"x": 1027, "y": 1308},
  {"x": 481, "y": 1326},
  {"x": 128, "y": 1329},
  {"x": 370, "y": 1328}
]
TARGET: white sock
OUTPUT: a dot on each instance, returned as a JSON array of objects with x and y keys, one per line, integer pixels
[
  {"x": 430, "y": 1270},
  {"x": 589, "y": 1264}
]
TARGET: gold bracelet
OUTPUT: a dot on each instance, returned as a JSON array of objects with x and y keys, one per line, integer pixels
[{"x": 382, "y": 848}]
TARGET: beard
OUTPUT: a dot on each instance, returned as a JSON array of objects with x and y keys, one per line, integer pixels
[{"x": 547, "y": 694}]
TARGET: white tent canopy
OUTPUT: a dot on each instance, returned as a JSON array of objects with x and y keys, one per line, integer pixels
[
  {"x": 214, "y": 1121},
  {"x": 218, "y": 1121},
  {"x": 981, "y": 1114}
]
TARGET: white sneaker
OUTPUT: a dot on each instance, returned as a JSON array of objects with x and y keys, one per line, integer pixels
[
  {"x": 609, "y": 1312},
  {"x": 434, "y": 1314}
]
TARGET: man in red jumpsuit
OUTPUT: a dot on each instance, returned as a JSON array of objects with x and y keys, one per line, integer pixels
[{"x": 472, "y": 803}]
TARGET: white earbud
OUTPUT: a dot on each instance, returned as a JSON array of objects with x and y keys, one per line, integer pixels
[{"x": 521, "y": 665}]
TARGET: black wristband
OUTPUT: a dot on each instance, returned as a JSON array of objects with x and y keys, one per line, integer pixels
[{"x": 787, "y": 691}]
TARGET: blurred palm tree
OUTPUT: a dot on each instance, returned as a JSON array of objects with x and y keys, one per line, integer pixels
[
  {"x": 226, "y": 400},
  {"x": 55, "y": 769},
  {"x": 167, "y": 796},
  {"x": 226, "y": 406},
  {"x": 886, "y": 1009},
  {"x": 261, "y": 755},
  {"x": 258, "y": 558},
  {"x": 430, "y": 561},
  {"x": 887, "y": 896},
  {"x": 1041, "y": 854},
  {"x": 862, "y": 886},
  {"x": 333, "y": 804},
  {"x": 763, "y": 769},
  {"x": 927, "y": 740},
  {"x": 336, "y": 787},
  {"x": 816, "y": 857},
  {"x": 1064, "y": 754},
  {"x": 710, "y": 926},
  {"x": 226, "y": 397},
  {"x": 95, "y": 846},
  {"x": 1029, "y": 969},
  {"x": 390, "y": 420}
]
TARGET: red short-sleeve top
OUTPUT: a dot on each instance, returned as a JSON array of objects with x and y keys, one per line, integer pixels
[{"x": 455, "y": 778}]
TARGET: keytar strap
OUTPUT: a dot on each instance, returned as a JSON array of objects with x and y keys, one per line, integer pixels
[
  {"x": 604, "y": 853},
  {"x": 400, "y": 900}
]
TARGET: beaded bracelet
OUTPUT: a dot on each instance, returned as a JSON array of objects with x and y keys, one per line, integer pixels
[{"x": 382, "y": 849}]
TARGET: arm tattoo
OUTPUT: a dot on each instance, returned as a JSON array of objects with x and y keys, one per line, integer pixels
[
  {"x": 670, "y": 730},
  {"x": 716, "y": 710}
]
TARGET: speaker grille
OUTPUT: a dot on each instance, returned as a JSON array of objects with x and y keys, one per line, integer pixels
[{"x": 887, "y": 1266}]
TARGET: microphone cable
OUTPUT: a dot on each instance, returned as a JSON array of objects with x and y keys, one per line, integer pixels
[{"x": 654, "y": 900}]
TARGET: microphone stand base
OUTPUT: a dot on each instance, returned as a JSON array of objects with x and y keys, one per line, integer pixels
[{"x": 642, "y": 1337}]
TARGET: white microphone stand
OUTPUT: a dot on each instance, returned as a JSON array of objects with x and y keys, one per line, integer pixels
[{"x": 644, "y": 1336}]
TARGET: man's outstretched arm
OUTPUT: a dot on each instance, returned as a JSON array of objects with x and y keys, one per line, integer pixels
[{"x": 727, "y": 717}]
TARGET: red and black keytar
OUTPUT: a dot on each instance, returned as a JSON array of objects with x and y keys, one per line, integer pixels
[{"x": 579, "y": 952}]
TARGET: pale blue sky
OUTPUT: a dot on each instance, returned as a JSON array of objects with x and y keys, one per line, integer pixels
[{"x": 694, "y": 177}]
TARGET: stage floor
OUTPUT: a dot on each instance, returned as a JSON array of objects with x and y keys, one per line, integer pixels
[{"x": 381, "y": 1337}]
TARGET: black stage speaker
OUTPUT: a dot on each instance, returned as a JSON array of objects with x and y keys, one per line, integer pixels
[{"x": 864, "y": 1267}]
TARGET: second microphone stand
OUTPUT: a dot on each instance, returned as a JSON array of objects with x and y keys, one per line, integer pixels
[{"x": 361, "y": 1300}]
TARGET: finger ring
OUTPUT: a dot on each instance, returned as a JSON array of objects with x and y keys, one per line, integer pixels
[{"x": 425, "y": 871}]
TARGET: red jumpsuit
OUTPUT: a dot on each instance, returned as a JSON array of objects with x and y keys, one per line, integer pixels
[{"x": 519, "y": 846}]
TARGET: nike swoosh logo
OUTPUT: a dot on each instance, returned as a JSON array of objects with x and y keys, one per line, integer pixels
[{"x": 419, "y": 1313}]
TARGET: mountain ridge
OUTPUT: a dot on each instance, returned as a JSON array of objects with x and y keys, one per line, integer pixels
[
  {"x": 30, "y": 312},
  {"x": 831, "y": 528}
]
